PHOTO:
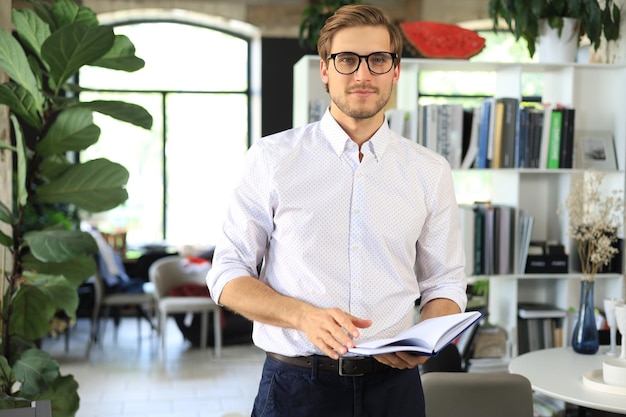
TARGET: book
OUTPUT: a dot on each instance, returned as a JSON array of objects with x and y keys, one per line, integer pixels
[
  {"x": 450, "y": 133},
  {"x": 554, "y": 146},
  {"x": 427, "y": 337},
  {"x": 545, "y": 138},
  {"x": 567, "y": 138},
  {"x": 508, "y": 131},
  {"x": 484, "y": 133},
  {"x": 472, "y": 148},
  {"x": 539, "y": 310},
  {"x": 503, "y": 239},
  {"x": 525, "y": 231},
  {"x": 496, "y": 161}
]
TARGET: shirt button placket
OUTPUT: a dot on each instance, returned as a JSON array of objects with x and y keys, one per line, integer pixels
[{"x": 356, "y": 239}]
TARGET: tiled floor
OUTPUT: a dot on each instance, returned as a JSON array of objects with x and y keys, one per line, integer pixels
[{"x": 123, "y": 379}]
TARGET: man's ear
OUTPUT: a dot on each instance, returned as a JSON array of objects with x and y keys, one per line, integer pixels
[
  {"x": 324, "y": 71},
  {"x": 396, "y": 75}
]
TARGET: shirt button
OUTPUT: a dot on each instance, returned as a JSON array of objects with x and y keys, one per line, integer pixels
[
  {"x": 356, "y": 211},
  {"x": 355, "y": 247}
]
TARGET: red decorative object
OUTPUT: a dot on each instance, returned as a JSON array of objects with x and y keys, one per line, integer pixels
[{"x": 441, "y": 40}]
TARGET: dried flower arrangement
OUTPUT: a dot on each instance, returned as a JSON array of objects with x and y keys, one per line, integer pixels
[{"x": 594, "y": 218}]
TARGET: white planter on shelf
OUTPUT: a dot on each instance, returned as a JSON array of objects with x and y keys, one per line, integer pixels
[{"x": 554, "y": 48}]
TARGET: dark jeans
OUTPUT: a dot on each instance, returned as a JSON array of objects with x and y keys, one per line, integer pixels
[{"x": 290, "y": 391}]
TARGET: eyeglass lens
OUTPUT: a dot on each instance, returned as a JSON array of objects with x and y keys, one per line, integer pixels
[{"x": 377, "y": 62}]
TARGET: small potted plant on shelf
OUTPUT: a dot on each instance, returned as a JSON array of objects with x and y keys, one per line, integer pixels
[{"x": 524, "y": 18}]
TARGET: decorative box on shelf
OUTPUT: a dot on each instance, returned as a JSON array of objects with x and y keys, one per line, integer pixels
[{"x": 546, "y": 258}]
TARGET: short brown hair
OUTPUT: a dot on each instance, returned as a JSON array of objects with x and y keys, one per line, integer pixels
[{"x": 355, "y": 15}]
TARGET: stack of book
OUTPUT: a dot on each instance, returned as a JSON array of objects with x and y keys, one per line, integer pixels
[
  {"x": 503, "y": 133},
  {"x": 540, "y": 326},
  {"x": 488, "y": 233}
]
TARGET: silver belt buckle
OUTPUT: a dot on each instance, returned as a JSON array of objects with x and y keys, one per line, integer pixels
[{"x": 349, "y": 358}]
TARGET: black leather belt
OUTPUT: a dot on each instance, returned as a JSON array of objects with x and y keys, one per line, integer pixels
[{"x": 345, "y": 366}]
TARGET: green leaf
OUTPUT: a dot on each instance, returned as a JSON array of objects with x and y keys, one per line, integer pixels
[
  {"x": 32, "y": 310},
  {"x": 59, "y": 245},
  {"x": 75, "y": 270},
  {"x": 6, "y": 373},
  {"x": 72, "y": 130},
  {"x": 6, "y": 215},
  {"x": 44, "y": 11},
  {"x": 14, "y": 62},
  {"x": 54, "y": 166},
  {"x": 60, "y": 291},
  {"x": 120, "y": 110},
  {"x": 31, "y": 29},
  {"x": 36, "y": 370},
  {"x": 73, "y": 46},
  {"x": 22, "y": 163},
  {"x": 121, "y": 56},
  {"x": 5, "y": 240},
  {"x": 67, "y": 12},
  {"x": 21, "y": 103},
  {"x": 63, "y": 393},
  {"x": 94, "y": 186}
]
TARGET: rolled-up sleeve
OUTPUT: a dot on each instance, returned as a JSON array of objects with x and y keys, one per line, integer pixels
[
  {"x": 246, "y": 229},
  {"x": 440, "y": 256}
]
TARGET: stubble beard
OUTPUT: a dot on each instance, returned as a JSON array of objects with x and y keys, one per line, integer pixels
[{"x": 362, "y": 111}]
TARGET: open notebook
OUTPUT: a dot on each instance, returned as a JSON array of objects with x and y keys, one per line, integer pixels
[{"x": 427, "y": 337}]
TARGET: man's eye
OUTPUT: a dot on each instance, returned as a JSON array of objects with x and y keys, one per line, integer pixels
[{"x": 378, "y": 59}]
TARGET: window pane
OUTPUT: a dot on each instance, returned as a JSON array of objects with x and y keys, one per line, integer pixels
[
  {"x": 178, "y": 57},
  {"x": 502, "y": 47},
  {"x": 139, "y": 151},
  {"x": 206, "y": 143}
]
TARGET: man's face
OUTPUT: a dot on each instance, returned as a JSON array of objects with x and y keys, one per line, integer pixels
[{"x": 360, "y": 95}]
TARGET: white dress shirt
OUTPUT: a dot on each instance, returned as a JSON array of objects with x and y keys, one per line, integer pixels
[{"x": 369, "y": 238}]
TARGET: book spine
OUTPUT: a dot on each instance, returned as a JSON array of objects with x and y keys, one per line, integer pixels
[
  {"x": 554, "y": 148},
  {"x": 567, "y": 138},
  {"x": 509, "y": 132},
  {"x": 522, "y": 137},
  {"x": 479, "y": 229},
  {"x": 535, "y": 138},
  {"x": 482, "y": 159},
  {"x": 498, "y": 124}
]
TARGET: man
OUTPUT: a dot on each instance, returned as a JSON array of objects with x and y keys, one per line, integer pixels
[{"x": 354, "y": 224}]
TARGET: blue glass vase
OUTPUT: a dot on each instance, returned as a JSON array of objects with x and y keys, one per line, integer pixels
[{"x": 585, "y": 338}]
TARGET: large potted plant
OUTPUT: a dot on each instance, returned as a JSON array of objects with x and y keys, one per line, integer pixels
[
  {"x": 524, "y": 17},
  {"x": 44, "y": 259}
]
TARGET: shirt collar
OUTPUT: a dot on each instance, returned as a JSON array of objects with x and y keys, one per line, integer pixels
[{"x": 338, "y": 138}]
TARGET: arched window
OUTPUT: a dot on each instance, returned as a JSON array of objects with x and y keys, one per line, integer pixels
[{"x": 201, "y": 85}]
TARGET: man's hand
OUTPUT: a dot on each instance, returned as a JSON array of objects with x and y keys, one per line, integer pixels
[
  {"x": 405, "y": 360},
  {"x": 402, "y": 360},
  {"x": 332, "y": 329}
]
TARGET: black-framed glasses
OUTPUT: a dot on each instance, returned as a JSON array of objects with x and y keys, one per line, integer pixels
[{"x": 347, "y": 63}]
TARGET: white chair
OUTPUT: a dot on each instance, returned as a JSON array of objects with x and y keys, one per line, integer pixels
[
  {"x": 172, "y": 271},
  {"x": 453, "y": 394}
]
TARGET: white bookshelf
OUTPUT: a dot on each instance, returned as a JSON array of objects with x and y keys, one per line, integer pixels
[{"x": 595, "y": 91}]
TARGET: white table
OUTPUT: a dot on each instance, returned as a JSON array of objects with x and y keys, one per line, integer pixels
[{"x": 558, "y": 373}]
